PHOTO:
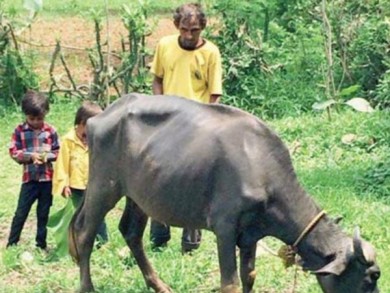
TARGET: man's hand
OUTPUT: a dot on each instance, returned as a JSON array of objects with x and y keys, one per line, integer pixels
[
  {"x": 157, "y": 86},
  {"x": 214, "y": 99}
]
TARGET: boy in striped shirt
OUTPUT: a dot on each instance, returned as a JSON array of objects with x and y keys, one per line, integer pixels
[{"x": 34, "y": 144}]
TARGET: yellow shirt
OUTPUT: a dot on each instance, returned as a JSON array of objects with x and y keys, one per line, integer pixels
[
  {"x": 193, "y": 74},
  {"x": 71, "y": 167}
]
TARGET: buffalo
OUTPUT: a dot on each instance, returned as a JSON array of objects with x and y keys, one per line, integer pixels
[{"x": 210, "y": 167}]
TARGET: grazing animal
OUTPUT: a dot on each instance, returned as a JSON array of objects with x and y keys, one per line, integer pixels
[{"x": 208, "y": 167}]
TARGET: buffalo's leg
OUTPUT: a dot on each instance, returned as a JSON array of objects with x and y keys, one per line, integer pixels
[
  {"x": 84, "y": 249},
  {"x": 132, "y": 227},
  {"x": 83, "y": 229},
  {"x": 226, "y": 241},
  {"x": 247, "y": 267}
]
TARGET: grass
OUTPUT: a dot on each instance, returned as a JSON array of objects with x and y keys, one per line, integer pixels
[
  {"x": 329, "y": 169},
  {"x": 72, "y": 7}
]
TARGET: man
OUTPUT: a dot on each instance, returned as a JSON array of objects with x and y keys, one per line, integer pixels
[{"x": 188, "y": 66}]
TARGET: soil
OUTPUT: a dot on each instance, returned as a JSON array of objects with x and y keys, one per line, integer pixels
[{"x": 76, "y": 35}]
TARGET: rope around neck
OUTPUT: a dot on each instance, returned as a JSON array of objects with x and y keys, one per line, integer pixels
[
  {"x": 288, "y": 252},
  {"x": 309, "y": 227}
]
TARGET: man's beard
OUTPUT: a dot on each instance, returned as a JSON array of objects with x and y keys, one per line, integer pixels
[{"x": 189, "y": 45}]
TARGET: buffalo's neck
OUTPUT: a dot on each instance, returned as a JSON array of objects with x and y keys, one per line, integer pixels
[{"x": 289, "y": 218}]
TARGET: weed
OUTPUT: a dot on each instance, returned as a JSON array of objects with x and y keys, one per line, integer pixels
[{"x": 376, "y": 180}]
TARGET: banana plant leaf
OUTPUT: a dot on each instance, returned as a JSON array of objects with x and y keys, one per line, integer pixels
[{"x": 58, "y": 224}]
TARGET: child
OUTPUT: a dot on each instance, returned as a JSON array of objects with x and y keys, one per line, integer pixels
[
  {"x": 34, "y": 144},
  {"x": 71, "y": 168}
]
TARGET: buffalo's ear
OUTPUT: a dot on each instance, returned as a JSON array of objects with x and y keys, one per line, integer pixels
[
  {"x": 338, "y": 265},
  {"x": 338, "y": 219},
  {"x": 362, "y": 251}
]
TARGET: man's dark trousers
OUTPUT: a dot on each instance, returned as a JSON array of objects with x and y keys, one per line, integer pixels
[{"x": 160, "y": 234}]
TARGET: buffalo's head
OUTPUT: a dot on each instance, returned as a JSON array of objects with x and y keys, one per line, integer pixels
[{"x": 355, "y": 270}]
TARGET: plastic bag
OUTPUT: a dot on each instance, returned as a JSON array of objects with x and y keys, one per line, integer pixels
[{"x": 59, "y": 223}]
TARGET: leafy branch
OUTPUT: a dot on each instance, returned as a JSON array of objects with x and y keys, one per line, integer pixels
[{"x": 333, "y": 94}]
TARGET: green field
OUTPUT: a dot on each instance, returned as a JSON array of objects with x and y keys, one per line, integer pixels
[
  {"x": 330, "y": 170},
  {"x": 70, "y": 7}
]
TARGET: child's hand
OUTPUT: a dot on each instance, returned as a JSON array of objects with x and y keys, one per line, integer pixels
[
  {"x": 37, "y": 158},
  {"x": 66, "y": 192},
  {"x": 43, "y": 157}
]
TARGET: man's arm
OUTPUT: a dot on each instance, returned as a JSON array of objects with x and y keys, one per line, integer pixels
[
  {"x": 215, "y": 77},
  {"x": 157, "y": 86}
]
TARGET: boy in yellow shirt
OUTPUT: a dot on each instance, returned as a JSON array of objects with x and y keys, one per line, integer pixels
[{"x": 71, "y": 169}]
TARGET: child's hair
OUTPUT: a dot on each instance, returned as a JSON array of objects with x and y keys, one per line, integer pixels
[
  {"x": 87, "y": 110},
  {"x": 35, "y": 103}
]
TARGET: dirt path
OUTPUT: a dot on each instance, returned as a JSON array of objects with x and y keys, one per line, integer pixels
[{"x": 76, "y": 34}]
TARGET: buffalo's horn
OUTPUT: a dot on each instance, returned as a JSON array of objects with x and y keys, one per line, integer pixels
[
  {"x": 357, "y": 245},
  {"x": 363, "y": 251}
]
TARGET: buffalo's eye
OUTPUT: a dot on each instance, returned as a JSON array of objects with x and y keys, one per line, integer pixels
[{"x": 375, "y": 275}]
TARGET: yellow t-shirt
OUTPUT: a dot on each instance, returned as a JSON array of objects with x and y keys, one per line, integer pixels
[
  {"x": 71, "y": 168},
  {"x": 193, "y": 74}
]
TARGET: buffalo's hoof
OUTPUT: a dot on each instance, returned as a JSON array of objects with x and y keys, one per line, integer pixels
[
  {"x": 87, "y": 289},
  {"x": 165, "y": 290},
  {"x": 230, "y": 289}
]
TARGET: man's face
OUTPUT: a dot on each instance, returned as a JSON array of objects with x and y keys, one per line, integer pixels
[
  {"x": 35, "y": 122},
  {"x": 190, "y": 30}
]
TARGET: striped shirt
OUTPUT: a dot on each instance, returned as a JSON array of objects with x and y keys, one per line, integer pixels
[{"x": 25, "y": 141}]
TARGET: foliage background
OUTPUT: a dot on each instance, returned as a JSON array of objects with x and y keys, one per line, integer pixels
[
  {"x": 276, "y": 62},
  {"x": 279, "y": 58}
]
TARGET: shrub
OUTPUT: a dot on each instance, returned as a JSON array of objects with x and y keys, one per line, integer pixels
[
  {"x": 376, "y": 180},
  {"x": 269, "y": 70},
  {"x": 16, "y": 74}
]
